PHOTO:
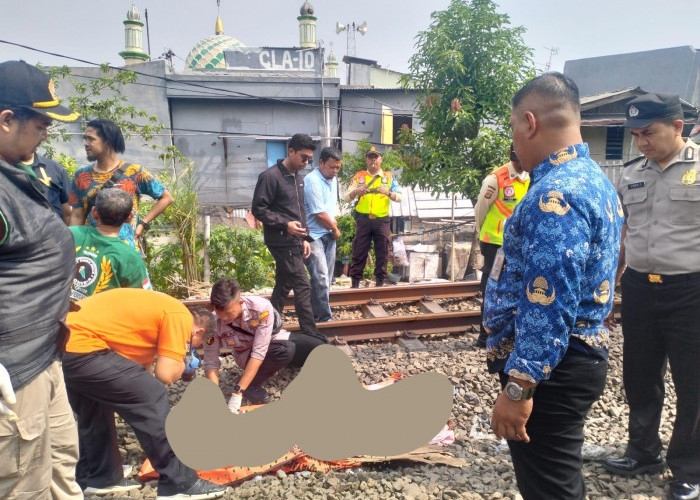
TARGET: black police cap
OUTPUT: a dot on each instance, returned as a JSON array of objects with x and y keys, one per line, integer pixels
[{"x": 643, "y": 110}]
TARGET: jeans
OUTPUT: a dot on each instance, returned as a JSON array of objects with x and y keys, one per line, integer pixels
[{"x": 321, "y": 264}]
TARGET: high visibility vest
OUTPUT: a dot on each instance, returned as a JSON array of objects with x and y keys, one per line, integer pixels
[
  {"x": 373, "y": 203},
  {"x": 510, "y": 192}
]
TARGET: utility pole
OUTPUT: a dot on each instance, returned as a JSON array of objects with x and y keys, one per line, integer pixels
[{"x": 553, "y": 51}]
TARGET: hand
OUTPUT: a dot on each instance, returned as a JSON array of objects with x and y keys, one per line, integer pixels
[
  {"x": 138, "y": 231},
  {"x": 383, "y": 190},
  {"x": 509, "y": 418},
  {"x": 610, "y": 322},
  {"x": 335, "y": 233},
  {"x": 7, "y": 393},
  {"x": 307, "y": 249},
  {"x": 360, "y": 190},
  {"x": 234, "y": 404},
  {"x": 296, "y": 229}
]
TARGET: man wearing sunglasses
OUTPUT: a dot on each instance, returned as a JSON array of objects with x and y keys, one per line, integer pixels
[{"x": 278, "y": 202}]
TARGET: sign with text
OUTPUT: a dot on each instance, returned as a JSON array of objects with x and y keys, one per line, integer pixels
[{"x": 274, "y": 59}]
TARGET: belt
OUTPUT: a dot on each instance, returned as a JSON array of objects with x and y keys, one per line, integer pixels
[
  {"x": 370, "y": 216},
  {"x": 662, "y": 278}
]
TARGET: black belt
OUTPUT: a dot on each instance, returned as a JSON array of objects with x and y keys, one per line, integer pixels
[
  {"x": 369, "y": 216},
  {"x": 662, "y": 278}
]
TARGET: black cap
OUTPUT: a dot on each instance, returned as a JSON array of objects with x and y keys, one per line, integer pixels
[
  {"x": 25, "y": 86},
  {"x": 373, "y": 152},
  {"x": 643, "y": 110}
]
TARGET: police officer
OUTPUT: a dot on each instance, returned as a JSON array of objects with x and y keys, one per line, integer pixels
[
  {"x": 500, "y": 192},
  {"x": 660, "y": 192},
  {"x": 374, "y": 189}
]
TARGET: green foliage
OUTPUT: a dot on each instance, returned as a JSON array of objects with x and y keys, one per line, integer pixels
[
  {"x": 467, "y": 66},
  {"x": 343, "y": 245},
  {"x": 68, "y": 163},
  {"x": 241, "y": 254},
  {"x": 165, "y": 269},
  {"x": 352, "y": 163}
]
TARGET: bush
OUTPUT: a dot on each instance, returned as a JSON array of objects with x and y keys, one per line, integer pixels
[{"x": 241, "y": 254}]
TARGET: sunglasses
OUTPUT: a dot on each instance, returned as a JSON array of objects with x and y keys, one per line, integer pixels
[{"x": 306, "y": 158}]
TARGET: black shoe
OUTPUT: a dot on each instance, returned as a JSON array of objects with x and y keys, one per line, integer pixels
[
  {"x": 684, "y": 491},
  {"x": 379, "y": 282},
  {"x": 481, "y": 341},
  {"x": 355, "y": 283},
  {"x": 626, "y": 466},
  {"x": 256, "y": 395},
  {"x": 201, "y": 489},
  {"x": 121, "y": 487}
]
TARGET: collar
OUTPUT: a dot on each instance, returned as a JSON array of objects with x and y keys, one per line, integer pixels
[
  {"x": 522, "y": 176},
  {"x": 559, "y": 158},
  {"x": 284, "y": 169}
]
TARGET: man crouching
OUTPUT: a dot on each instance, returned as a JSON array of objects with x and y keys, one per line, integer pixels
[{"x": 253, "y": 329}]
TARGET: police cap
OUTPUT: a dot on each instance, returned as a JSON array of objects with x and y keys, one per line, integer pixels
[
  {"x": 643, "y": 110},
  {"x": 373, "y": 152}
]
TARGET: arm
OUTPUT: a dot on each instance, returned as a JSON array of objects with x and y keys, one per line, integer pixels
[
  {"x": 212, "y": 375},
  {"x": 249, "y": 372},
  {"x": 263, "y": 198},
  {"x": 77, "y": 216},
  {"x": 487, "y": 195},
  {"x": 164, "y": 202},
  {"x": 621, "y": 263},
  {"x": 169, "y": 370},
  {"x": 329, "y": 223},
  {"x": 354, "y": 190},
  {"x": 67, "y": 212}
]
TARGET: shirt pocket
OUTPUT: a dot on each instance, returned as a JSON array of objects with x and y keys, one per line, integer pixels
[
  {"x": 685, "y": 205},
  {"x": 637, "y": 210}
]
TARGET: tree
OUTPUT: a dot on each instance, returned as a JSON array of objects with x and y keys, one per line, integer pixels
[{"x": 467, "y": 66}]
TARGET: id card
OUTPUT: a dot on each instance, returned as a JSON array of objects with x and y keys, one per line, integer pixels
[{"x": 498, "y": 263}]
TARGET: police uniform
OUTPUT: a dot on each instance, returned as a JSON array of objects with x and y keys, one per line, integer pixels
[
  {"x": 500, "y": 193},
  {"x": 661, "y": 302},
  {"x": 372, "y": 218}
]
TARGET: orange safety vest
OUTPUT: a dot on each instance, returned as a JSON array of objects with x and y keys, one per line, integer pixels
[
  {"x": 510, "y": 192},
  {"x": 373, "y": 203}
]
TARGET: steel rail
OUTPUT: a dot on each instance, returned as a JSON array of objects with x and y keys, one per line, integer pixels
[{"x": 388, "y": 293}]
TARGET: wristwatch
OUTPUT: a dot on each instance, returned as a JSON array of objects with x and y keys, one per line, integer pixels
[
  {"x": 146, "y": 225},
  {"x": 237, "y": 389},
  {"x": 517, "y": 393}
]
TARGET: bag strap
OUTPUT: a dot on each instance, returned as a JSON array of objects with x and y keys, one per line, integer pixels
[{"x": 111, "y": 182}]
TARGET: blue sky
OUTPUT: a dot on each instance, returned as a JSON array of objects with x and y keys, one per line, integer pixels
[{"x": 93, "y": 30}]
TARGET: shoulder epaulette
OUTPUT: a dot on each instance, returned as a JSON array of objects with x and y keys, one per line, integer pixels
[{"x": 633, "y": 160}]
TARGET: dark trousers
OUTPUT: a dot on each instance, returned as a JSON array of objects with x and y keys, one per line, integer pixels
[
  {"x": 488, "y": 252},
  {"x": 368, "y": 230},
  {"x": 102, "y": 383},
  {"x": 660, "y": 322},
  {"x": 281, "y": 353},
  {"x": 550, "y": 466},
  {"x": 290, "y": 274}
]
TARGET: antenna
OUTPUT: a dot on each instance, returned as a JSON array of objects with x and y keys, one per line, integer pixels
[
  {"x": 553, "y": 51},
  {"x": 148, "y": 33},
  {"x": 350, "y": 28}
]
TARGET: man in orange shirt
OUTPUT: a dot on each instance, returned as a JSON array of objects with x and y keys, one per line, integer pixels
[{"x": 114, "y": 339}]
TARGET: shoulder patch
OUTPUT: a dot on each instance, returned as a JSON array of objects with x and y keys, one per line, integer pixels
[
  {"x": 633, "y": 161},
  {"x": 263, "y": 317},
  {"x": 210, "y": 341}
]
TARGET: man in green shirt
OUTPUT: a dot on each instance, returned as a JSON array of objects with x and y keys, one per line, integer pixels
[{"x": 103, "y": 260}]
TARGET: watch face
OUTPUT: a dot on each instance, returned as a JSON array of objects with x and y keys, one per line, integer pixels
[{"x": 514, "y": 391}]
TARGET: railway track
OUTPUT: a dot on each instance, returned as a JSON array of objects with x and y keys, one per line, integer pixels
[{"x": 378, "y": 324}]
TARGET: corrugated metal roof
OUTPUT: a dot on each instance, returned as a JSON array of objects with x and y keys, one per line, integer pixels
[{"x": 423, "y": 205}]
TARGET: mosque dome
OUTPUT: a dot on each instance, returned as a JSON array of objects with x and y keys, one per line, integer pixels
[
  {"x": 209, "y": 52},
  {"x": 306, "y": 9}
]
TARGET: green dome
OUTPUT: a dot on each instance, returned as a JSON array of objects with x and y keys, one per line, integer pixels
[{"x": 209, "y": 52}]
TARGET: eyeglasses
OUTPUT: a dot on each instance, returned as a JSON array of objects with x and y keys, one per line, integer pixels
[{"x": 306, "y": 158}]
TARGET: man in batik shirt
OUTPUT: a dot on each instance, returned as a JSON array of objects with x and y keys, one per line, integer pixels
[{"x": 549, "y": 292}]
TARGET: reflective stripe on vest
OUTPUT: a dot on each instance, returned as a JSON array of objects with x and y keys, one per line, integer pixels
[
  {"x": 502, "y": 208},
  {"x": 374, "y": 203}
]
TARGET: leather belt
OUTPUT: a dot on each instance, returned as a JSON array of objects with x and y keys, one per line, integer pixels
[{"x": 663, "y": 278}]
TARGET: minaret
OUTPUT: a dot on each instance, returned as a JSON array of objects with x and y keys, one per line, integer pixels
[
  {"x": 133, "y": 32},
  {"x": 331, "y": 65},
  {"x": 307, "y": 27}
]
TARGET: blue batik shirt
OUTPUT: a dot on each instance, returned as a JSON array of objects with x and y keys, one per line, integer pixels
[{"x": 561, "y": 248}]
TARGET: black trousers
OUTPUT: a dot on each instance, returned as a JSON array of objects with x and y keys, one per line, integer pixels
[
  {"x": 488, "y": 251},
  {"x": 101, "y": 383},
  {"x": 660, "y": 322},
  {"x": 368, "y": 230},
  {"x": 290, "y": 274},
  {"x": 550, "y": 466}
]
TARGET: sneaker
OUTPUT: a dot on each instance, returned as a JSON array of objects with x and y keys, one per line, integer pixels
[
  {"x": 379, "y": 282},
  {"x": 355, "y": 283},
  {"x": 121, "y": 487},
  {"x": 684, "y": 491},
  {"x": 201, "y": 489}
]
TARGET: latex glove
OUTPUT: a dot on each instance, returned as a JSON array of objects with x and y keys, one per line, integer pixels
[
  {"x": 234, "y": 404},
  {"x": 7, "y": 393}
]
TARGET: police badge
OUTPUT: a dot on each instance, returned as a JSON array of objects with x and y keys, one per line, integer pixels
[{"x": 688, "y": 178}]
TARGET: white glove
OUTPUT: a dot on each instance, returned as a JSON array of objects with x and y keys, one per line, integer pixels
[
  {"x": 6, "y": 393},
  {"x": 234, "y": 404}
]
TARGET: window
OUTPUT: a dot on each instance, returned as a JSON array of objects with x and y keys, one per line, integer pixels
[
  {"x": 614, "y": 142},
  {"x": 276, "y": 150}
]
